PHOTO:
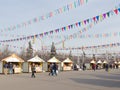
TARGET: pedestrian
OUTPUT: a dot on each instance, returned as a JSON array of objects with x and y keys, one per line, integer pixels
[
  {"x": 106, "y": 67},
  {"x": 55, "y": 68},
  {"x": 11, "y": 68},
  {"x": 33, "y": 70},
  {"x": 51, "y": 69},
  {"x": 5, "y": 68},
  {"x": 84, "y": 67}
]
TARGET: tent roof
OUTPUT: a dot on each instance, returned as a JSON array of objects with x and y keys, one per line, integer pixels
[
  {"x": 119, "y": 62},
  {"x": 67, "y": 60},
  {"x": 104, "y": 61},
  {"x": 99, "y": 61},
  {"x": 36, "y": 59},
  {"x": 53, "y": 60},
  {"x": 13, "y": 58},
  {"x": 115, "y": 62},
  {"x": 92, "y": 61}
]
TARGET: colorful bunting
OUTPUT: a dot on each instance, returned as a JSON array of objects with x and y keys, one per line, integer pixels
[
  {"x": 63, "y": 9},
  {"x": 94, "y": 19},
  {"x": 73, "y": 48}
]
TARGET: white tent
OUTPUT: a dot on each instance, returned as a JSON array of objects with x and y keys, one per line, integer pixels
[
  {"x": 67, "y": 61},
  {"x": 67, "y": 64},
  {"x": 38, "y": 64},
  {"x": 92, "y": 61},
  {"x": 16, "y": 61},
  {"x": 36, "y": 59},
  {"x": 104, "y": 61},
  {"x": 53, "y": 60},
  {"x": 13, "y": 58},
  {"x": 119, "y": 62},
  {"x": 99, "y": 62},
  {"x": 115, "y": 62}
]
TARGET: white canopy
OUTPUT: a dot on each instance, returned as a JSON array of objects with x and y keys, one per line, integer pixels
[
  {"x": 67, "y": 61},
  {"x": 115, "y": 62},
  {"x": 13, "y": 58},
  {"x": 105, "y": 61},
  {"x": 36, "y": 59},
  {"x": 99, "y": 61},
  {"x": 119, "y": 62},
  {"x": 53, "y": 60},
  {"x": 92, "y": 61}
]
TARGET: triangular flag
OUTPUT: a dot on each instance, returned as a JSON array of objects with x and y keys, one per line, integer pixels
[
  {"x": 94, "y": 18},
  {"x": 119, "y": 9},
  {"x": 116, "y": 11},
  {"x": 86, "y": 1},
  {"x": 108, "y": 14},
  {"x": 84, "y": 21},
  {"x": 76, "y": 24},
  {"x": 104, "y": 15},
  {"x": 97, "y": 17},
  {"x": 79, "y": 23},
  {"x": 69, "y": 26},
  {"x": 88, "y": 20}
]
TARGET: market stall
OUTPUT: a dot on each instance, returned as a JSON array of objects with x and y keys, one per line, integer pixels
[
  {"x": 99, "y": 64},
  {"x": 15, "y": 62},
  {"x": 118, "y": 64},
  {"x": 93, "y": 64},
  {"x": 54, "y": 60},
  {"x": 38, "y": 64},
  {"x": 67, "y": 64},
  {"x": 104, "y": 63}
]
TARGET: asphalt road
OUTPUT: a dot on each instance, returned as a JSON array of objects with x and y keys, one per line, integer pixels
[{"x": 69, "y": 80}]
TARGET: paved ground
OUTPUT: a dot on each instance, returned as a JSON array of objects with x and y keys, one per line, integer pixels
[{"x": 71, "y": 80}]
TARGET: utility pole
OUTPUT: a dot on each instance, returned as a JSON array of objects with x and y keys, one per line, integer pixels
[
  {"x": 83, "y": 61},
  {"x": 78, "y": 59}
]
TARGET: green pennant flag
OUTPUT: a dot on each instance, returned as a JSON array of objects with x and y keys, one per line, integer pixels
[
  {"x": 86, "y": 1},
  {"x": 119, "y": 9},
  {"x": 108, "y": 14}
]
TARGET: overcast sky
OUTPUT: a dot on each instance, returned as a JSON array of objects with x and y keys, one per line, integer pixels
[{"x": 13, "y": 12}]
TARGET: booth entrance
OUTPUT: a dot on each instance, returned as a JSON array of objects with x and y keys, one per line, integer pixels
[{"x": 38, "y": 66}]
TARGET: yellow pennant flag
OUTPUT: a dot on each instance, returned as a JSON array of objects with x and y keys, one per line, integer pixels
[{"x": 34, "y": 38}]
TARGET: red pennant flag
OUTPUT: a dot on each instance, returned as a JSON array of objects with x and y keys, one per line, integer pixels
[
  {"x": 116, "y": 11},
  {"x": 94, "y": 18},
  {"x": 76, "y": 24}
]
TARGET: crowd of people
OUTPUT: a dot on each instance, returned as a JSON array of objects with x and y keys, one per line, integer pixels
[
  {"x": 53, "y": 68},
  {"x": 8, "y": 68}
]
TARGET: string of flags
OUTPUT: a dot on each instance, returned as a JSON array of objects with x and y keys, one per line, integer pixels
[
  {"x": 73, "y": 36},
  {"x": 91, "y": 47},
  {"x": 73, "y": 48},
  {"x": 99, "y": 35},
  {"x": 72, "y": 26},
  {"x": 102, "y": 35},
  {"x": 61, "y": 10}
]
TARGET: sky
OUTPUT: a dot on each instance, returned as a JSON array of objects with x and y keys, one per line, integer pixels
[{"x": 13, "y": 12}]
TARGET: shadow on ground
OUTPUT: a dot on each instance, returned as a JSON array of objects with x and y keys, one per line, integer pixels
[{"x": 98, "y": 82}]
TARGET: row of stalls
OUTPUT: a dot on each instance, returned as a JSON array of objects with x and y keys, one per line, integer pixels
[
  {"x": 101, "y": 64},
  {"x": 19, "y": 65}
]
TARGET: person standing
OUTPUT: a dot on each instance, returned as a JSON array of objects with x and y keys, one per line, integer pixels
[
  {"x": 51, "y": 69},
  {"x": 5, "y": 68},
  {"x": 55, "y": 68},
  {"x": 11, "y": 68},
  {"x": 33, "y": 70}
]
